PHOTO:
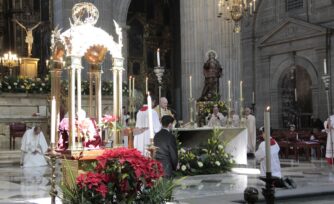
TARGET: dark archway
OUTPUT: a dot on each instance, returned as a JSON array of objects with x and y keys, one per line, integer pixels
[
  {"x": 155, "y": 24},
  {"x": 296, "y": 97}
]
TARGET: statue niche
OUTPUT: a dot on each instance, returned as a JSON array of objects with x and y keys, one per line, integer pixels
[{"x": 212, "y": 71}]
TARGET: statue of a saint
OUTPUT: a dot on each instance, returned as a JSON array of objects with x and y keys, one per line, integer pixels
[
  {"x": 212, "y": 72},
  {"x": 29, "y": 38}
]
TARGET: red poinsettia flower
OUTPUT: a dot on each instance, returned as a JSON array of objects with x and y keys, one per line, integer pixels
[{"x": 103, "y": 190}]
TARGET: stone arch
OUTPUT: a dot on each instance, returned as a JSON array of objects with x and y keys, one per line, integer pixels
[{"x": 280, "y": 73}]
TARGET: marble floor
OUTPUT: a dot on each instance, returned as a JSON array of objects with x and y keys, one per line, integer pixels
[{"x": 31, "y": 185}]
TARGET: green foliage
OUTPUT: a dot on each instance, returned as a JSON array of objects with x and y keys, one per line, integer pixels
[{"x": 209, "y": 158}]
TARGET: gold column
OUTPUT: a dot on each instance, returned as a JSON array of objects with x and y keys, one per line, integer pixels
[
  {"x": 117, "y": 69},
  {"x": 56, "y": 71}
]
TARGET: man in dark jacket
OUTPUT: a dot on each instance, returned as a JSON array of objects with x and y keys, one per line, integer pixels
[{"x": 165, "y": 141}]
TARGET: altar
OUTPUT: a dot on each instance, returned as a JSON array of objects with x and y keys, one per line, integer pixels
[{"x": 234, "y": 138}]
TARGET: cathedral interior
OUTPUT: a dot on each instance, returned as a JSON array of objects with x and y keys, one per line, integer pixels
[{"x": 275, "y": 53}]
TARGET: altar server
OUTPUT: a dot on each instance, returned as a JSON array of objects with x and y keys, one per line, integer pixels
[
  {"x": 33, "y": 148},
  {"x": 142, "y": 139},
  {"x": 329, "y": 128},
  {"x": 251, "y": 129},
  {"x": 260, "y": 156}
]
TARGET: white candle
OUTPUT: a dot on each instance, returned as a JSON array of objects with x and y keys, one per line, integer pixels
[
  {"x": 190, "y": 87},
  {"x": 253, "y": 98},
  {"x": 130, "y": 87},
  {"x": 158, "y": 57},
  {"x": 325, "y": 67},
  {"x": 133, "y": 87},
  {"x": 254, "y": 5},
  {"x": 229, "y": 90},
  {"x": 296, "y": 97},
  {"x": 146, "y": 85},
  {"x": 250, "y": 8},
  {"x": 53, "y": 120},
  {"x": 240, "y": 90},
  {"x": 150, "y": 119},
  {"x": 267, "y": 138}
]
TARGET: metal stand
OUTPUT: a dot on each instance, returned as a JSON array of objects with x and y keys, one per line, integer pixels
[
  {"x": 191, "y": 113},
  {"x": 229, "y": 119},
  {"x": 242, "y": 118},
  {"x": 152, "y": 149},
  {"x": 159, "y": 72},
  {"x": 269, "y": 191},
  {"x": 53, "y": 159},
  {"x": 326, "y": 79}
]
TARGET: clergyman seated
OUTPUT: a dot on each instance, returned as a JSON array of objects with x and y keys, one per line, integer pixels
[{"x": 33, "y": 148}]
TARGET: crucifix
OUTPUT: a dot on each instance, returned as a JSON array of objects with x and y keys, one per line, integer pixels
[{"x": 29, "y": 35}]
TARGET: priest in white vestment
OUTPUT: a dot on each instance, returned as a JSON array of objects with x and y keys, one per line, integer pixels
[
  {"x": 260, "y": 156},
  {"x": 216, "y": 119},
  {"x": 33, "y": 148},
  {"x": 142, "y": 140},
  {"x": 329, "y": 128},
  {"x": 251, "y": 129}
]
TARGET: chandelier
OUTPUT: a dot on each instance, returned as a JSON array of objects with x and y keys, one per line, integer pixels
[
  {"x": 10, "y": 60},
  {"x": 235, "y": 10}
]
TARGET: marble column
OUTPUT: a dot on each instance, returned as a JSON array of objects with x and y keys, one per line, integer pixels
[{"x": 201, "y": 31}]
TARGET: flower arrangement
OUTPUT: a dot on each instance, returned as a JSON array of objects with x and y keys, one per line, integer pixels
[
  {"x": 43, "y": 86},
  {"x": 25, "y": 85},
  {"x": 209, "y": 158},
  {"x": 120, "y": 175}
]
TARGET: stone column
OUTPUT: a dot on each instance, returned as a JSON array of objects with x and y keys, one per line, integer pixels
[
  {"x": 56, "y": 71},
  {"x": 117, "y": 70},
  {"x": 201, "y": 31}
]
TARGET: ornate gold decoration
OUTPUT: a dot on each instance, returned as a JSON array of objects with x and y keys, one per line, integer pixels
[{"x": 95, "y": 54}]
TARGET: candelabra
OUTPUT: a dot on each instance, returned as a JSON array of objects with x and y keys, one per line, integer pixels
[
  {"x": 191, "y": 112},
  {"x": 159, "y": 72},
  {"x": 53, "y": 161},
  {"x": 229, "y": 108},
  {"x": 269, "y": 190},
  {"x": 132, "y": 121},
  {"x": 326, "y": 79},
  {"x": 242, "y": 118},
  {"x": 10, "y": 60}
]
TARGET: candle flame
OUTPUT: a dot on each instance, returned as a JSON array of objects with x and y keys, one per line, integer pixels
[
  {"x": 158, "y": 50},
  {"x": 268, "y": 108}
]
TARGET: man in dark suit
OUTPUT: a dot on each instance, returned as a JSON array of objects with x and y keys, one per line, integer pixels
[{"x": 165, "y": 141}]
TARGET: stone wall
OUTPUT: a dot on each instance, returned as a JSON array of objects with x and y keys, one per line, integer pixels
[
  {"x": 202, "y": 31},
  {"x": 268, "y": 42}
]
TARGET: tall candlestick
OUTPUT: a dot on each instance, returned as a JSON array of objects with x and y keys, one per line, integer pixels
[
  {"x": 296, "y": 97},
  {"x": 267, "y": 138},
  {"x": 53, "y": 120},
  {"x": 240, "y": 90},
  {"x": 190, "y": 87},
  {"x": 150, "y": 119},
  {"x": 158, "y": 57},
  {"x": 253, "y": 98},
  {"x": 146, "y": 85},
  {"x": 325, "y": 67},
  {"x": 229, "y": 90},
  {"x": 133, "y": 86},
  {"x": 130, "y": 87}
]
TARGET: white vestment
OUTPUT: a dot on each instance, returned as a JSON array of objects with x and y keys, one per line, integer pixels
[
  {"x": 251, "y": 128},
  {"x": 217, "y": 121},
  {"x": 142, "y": 140},
  {"x": 235, "y": 120},
  {"x": 330, "y": 138},
  {"x": 260, "y": 155},
  {"x": 33, "y": 149}
]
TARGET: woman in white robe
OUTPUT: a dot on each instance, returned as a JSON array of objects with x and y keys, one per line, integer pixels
[{"x": 33, "y": 148}]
